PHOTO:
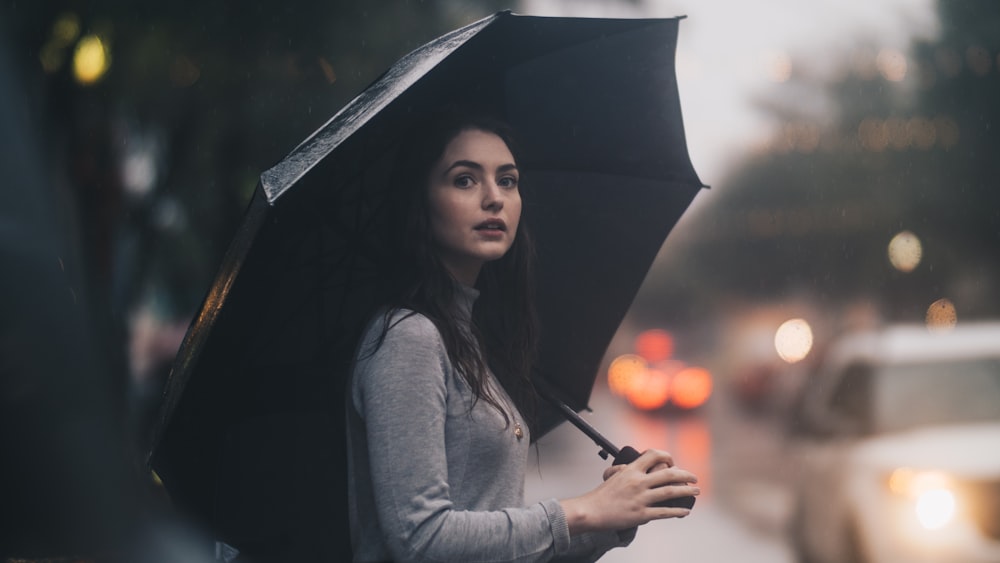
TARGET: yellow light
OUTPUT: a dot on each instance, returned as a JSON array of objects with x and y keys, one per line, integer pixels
[
  {"x": 941, "y": 315},
  {"x": 900, "y": 480},
  {"x": 935, "y": 508},
  {"x": 905, "y": 251},
  {"x": 793, "y": 340},
  {"x": 66, "y": 29},
  {"x": 91, "y": 60}
]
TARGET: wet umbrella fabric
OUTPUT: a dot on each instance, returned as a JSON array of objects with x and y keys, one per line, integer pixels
[{"x": 251, "y": 432}]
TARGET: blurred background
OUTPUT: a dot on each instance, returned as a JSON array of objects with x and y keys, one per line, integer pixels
[{"x": 850, "y": 147}]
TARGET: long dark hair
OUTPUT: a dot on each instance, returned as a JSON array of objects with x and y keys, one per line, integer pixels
[{"x": 503, "y": 338}]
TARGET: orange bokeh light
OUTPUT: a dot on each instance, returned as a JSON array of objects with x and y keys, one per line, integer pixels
[
  {"x": 624, "y": 371},
  {"x": 650, "y": 391},
  {"x": 691, "y": 387},
  {"x": 655, "y": 345}
]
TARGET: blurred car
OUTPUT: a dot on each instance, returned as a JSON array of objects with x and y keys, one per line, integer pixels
[{"x": 897, "y": 448}]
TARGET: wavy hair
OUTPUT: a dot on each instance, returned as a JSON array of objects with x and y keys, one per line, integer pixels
[{"x": 504, "y": 331}]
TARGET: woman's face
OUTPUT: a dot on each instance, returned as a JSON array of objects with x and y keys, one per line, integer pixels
[{"x": 475, "y": 205}]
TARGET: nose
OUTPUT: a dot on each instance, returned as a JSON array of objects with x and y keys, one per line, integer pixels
[{"x": 492, "y": 196}]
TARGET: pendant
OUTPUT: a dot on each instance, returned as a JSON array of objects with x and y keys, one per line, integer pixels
[{"x": 517, "y": 430}]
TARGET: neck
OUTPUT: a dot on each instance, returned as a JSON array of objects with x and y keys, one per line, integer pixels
[{"x": 464, "y": 273}]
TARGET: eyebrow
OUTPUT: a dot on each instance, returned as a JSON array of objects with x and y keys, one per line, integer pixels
[{"x": 477, "y": 166}]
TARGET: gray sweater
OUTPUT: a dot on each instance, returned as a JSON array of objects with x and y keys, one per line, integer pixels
[{"x": 436, "y": 476}]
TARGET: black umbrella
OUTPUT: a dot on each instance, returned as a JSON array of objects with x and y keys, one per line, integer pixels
[{"x": 251, "y": 421}]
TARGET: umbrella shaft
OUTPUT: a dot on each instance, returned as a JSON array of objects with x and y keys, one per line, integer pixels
[{"x": 606, "y": 446}]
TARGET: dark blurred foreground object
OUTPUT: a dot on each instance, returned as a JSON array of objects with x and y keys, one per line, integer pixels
[
  {"x": 250, "y": 440},
  {"x": 69, "y": 488},
  {"x": 64, "y": 469}
]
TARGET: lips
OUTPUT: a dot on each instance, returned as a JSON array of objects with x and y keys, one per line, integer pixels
[{"x": 492, "y": 225}]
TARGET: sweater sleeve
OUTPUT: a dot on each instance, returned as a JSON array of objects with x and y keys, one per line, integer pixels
[
  {"x": 401, "y": 393},
  {"x": 591, "y": 546}
]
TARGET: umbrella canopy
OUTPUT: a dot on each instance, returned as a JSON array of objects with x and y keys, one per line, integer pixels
[{"x": 254, "y": 402}]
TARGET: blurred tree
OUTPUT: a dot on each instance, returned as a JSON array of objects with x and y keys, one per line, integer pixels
[
  {"x": 198, "y": 98},
  {"x": 910, "y": 145}
]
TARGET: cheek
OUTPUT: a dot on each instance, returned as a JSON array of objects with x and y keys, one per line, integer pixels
[{"x": 444, "y": 215}]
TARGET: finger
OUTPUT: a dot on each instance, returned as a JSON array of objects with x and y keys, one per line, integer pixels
[
  {"x": 612, "y": 471},
  {"x": 651, "y": 458},
  {"x": 671, "y": 476},
  {"x": 660, "y": 513},
  {"x": 659, "y": 466},
  {"x": 669, "y": 492}
]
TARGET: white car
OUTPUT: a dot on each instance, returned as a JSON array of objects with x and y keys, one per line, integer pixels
[{"x": 897, "y": 449}]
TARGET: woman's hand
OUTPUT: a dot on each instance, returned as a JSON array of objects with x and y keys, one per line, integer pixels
[{"x": 626, "y": 498}]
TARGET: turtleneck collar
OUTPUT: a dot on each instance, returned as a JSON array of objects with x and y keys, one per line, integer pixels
[{"x": 465, "y": 298}]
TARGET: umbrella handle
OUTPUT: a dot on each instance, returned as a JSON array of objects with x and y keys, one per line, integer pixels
[{"x": 627, "y": 455}]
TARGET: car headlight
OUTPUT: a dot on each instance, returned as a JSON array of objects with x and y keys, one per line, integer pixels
[{"x": 930, "y": 493}]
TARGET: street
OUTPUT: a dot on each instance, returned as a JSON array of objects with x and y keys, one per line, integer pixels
[{"x": 742, "y": 510}]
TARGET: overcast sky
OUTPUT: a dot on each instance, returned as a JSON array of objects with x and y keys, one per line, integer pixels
[{"x": 728, "y": 51}]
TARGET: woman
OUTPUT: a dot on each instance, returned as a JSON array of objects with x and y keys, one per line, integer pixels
[{"x": 437, "y": 432}]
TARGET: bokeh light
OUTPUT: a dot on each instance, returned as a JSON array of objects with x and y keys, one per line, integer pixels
[
  {"x": 935, "y": 508},
  {"x": 931, "y": 492},
  {"x": 941, "y": 315},
  {"x": 873, "y": 134},
  {"x": 801, "y": 136},
  {"x": 65, "y": 30},
  {"x": 897, "y": 133},
  {"x": 91, "y": 60},
  {"x": 655, "y": 345},
  {"x": 922, "y": 133},
  {"x": 691, "y": 387},
  {"x": 905, "y": 251},
  {"x": 793, "y": 340},
  {"x": 891, "y": 64},
  {"x": 650, "y": 390},
  {"x": 624, "y": 371}
]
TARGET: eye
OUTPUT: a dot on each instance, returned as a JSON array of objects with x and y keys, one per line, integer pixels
[
  {"x": 464, "y": 181},
  {"x": 507, "y": 182}
]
